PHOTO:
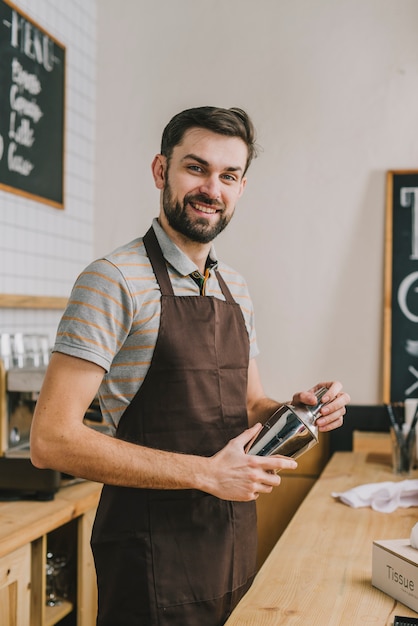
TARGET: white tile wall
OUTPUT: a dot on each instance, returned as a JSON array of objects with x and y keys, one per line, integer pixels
[{"x": 42, "y": 249}]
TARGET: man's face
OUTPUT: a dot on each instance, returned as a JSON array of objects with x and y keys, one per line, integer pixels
[{"x": 202, "y": 183}]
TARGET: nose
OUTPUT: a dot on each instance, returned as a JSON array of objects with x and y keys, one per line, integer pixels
[{"x": 211, "y": 187}]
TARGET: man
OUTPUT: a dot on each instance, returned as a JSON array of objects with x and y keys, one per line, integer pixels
[{"x": 165, "y": 335}]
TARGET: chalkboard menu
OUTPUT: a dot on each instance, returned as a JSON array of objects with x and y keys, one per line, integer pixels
[
  {"x": 32, "y": 94},
  {"x": 401, "y": 287}
]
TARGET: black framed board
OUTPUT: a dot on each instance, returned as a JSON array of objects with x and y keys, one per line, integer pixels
[
  {"x": 32, "y": 108},
  {"x": 400, "y": 358}
]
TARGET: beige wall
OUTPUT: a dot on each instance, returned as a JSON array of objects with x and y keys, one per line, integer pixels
[{"x": 332, "y": 87}]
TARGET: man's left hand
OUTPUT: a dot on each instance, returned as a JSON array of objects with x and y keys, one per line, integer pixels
[{"x": 335, "y": 401}]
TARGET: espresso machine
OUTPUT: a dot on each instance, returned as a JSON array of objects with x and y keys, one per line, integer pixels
[{"x": 19, "y": 391}]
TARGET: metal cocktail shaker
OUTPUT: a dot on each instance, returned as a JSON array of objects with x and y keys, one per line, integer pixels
[{"x": 290, "y": 431}]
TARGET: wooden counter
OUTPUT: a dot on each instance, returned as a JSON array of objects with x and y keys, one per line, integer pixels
[
  {"x": 27, "y": 529},
  {"x": 319, "y": 572},
  {"x": 23, "y": 521}
]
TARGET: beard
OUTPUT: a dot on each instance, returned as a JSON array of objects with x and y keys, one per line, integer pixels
[{"x": 200, "y": 229}]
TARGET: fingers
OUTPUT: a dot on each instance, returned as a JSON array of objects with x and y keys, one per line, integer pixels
[
  {"x": 309, "y": 397},
  {"x": 278, "y": 462},
  {"x": 269, "y": 478},
  {"x": 265, "y": 477},
  {"x": 335, "y": 401},
  {"x": 331, "y": 421},
  {"x": 334, "y": 389},
  {"x": 269, "y": 467},
  {"x": 248, "y": 435},
  {"x": 266, "y": 484},
  {"x": 264, "y": 489},
  {"x": 332, "y": 414}
]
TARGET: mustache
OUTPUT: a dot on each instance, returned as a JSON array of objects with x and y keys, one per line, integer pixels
[{"x": 193, "y": 198}]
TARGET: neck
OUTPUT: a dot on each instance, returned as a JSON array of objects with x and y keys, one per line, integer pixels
[{"x": 197, "y": 252}]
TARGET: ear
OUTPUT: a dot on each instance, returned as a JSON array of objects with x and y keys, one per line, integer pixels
[
  {"x": 242, "y": 187},
  {"x": 158, "y": 168}
]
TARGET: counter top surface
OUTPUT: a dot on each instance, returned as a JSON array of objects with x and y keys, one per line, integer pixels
[
  {"x": 26, "y": 520},
  {"x": 319, "y": 572}
]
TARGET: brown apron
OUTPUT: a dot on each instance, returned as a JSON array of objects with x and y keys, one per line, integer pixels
[{"x": 180, "y": 557}]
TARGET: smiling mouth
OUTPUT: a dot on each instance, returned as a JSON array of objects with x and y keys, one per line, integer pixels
[
  {"x": 204, "y": 204},
  {"x": 204, "y": 208}
]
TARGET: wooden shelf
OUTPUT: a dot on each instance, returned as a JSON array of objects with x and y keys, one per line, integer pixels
[
  {"x": 53, "y": 614},
  {"x": 17, "y": 301}
]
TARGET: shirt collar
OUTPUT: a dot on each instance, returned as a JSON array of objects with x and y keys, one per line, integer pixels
[{"x": 176, "y": 257}]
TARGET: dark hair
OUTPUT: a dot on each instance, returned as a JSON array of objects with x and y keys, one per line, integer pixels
[{"x": 230, "y": 122}]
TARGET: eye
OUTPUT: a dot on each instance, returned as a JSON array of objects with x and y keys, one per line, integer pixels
[
  {"x": 231, "y": 178},
  {"x": 195, "y": 168}
]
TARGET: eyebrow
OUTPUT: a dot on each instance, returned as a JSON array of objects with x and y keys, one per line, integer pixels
[{"x": 194, "y": 157}]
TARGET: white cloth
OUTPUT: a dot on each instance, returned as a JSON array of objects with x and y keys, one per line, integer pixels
[
  {"x": 414, "y": 537},
  {"x": 384, "y": 497}
]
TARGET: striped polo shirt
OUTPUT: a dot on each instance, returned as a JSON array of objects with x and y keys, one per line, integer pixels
[{"x": 113, "y": 314}]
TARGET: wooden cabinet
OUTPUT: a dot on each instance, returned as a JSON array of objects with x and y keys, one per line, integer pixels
[
  {"x": 276, "y": 509},
  {"x": 31, "y": 530},
  {"x": 15, "y": 587}
]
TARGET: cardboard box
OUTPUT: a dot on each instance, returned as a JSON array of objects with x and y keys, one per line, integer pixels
[{"x": 395, "y": 570}]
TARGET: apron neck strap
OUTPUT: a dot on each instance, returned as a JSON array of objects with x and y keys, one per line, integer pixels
[
  {"x": 158, "y": 263},
  {"x": 224, "y": 288}
]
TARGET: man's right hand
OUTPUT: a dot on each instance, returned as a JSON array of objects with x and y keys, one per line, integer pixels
[{"x": 235, "y": 475}]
